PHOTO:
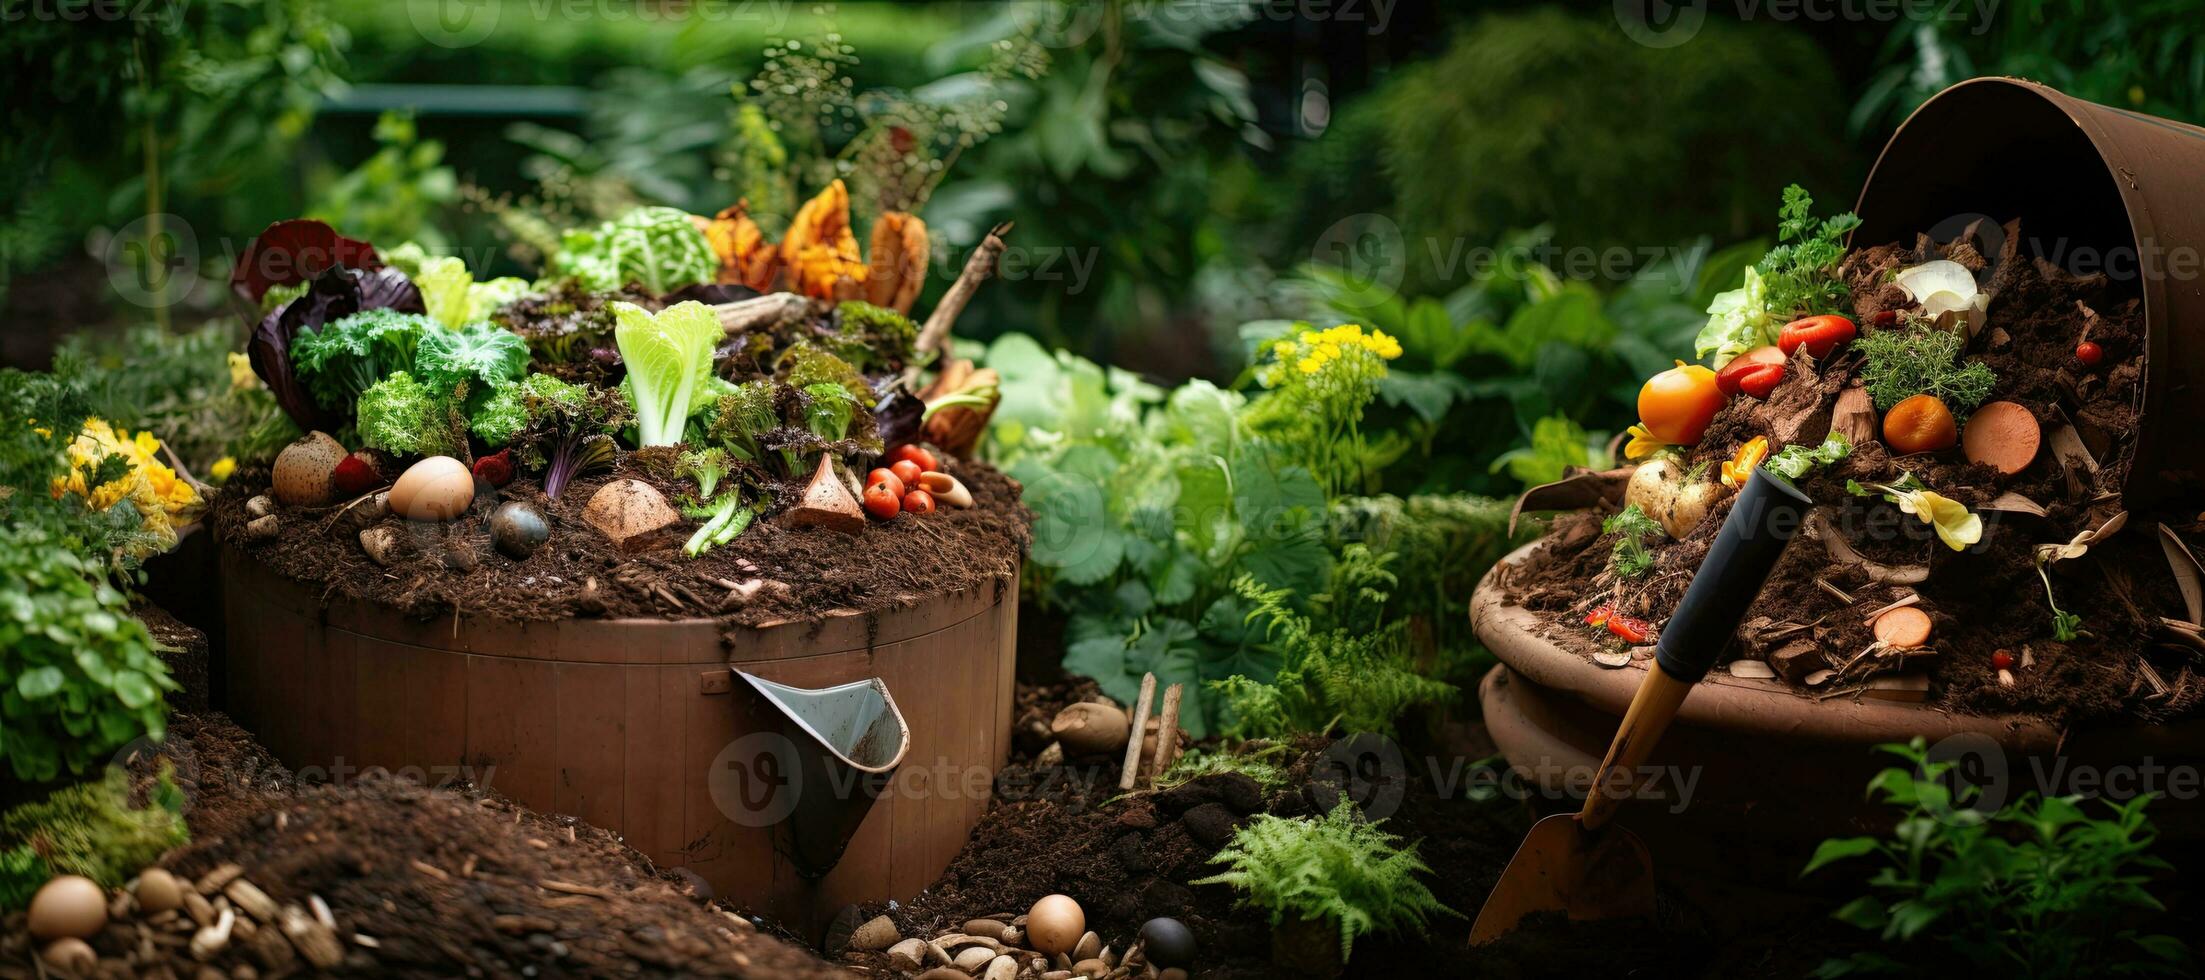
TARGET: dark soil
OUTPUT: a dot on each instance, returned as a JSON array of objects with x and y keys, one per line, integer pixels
[
  {"x": 185, "y": 653},
  {"x": 892, "y": 563},
  {"x": 420, "y": 882},
  {"x": 1982, "y": 600}
]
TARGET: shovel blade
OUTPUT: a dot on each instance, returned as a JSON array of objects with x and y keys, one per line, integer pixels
[{"x": 1605, "y": 874}]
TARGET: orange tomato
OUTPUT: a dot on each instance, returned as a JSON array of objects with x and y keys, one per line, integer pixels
[
  {"x": 1676, "y": 405},
  {"x": 1920, "y": 424}
]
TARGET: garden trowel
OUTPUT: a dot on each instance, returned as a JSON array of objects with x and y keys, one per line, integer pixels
[{"x": 1581, "y": 864}]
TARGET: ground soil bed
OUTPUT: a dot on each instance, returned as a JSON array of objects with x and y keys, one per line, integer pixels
[{"x": 890, "y": 564}]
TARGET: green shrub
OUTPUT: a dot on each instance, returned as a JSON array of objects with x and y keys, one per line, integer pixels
[
  {"x": 1550, "y": 117},
  {"x": 1340, "y": 869},
  {"x": 22, "y": 871},
  {"x": 1440, "y": 546},
  {"x": 2037, "y": 889},
  {"x": 92, "y": 829},
  {"x": 78, "y": 674}
]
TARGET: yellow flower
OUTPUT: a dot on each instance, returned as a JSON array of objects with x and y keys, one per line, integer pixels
[
  {"x": 242, "y": 377},
  {"x": 1642, "y": 444},
  {"x": 1311, "y": 364},
  {"x": 222, "y": 469},
  {"x": 1750, "y": 455}
]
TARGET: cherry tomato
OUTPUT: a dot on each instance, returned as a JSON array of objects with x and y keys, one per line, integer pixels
[
  {"x": 1633, "y": 630},
  {"x": 2089, "y": 353},
  {"x": 887, "y": 476},
  {"x": 1761, "y": 381},
  {"x": 2002, "y": 660},
  {"x": 1819, "y": 334},
  {"x": 916, "y": 454},
  {"x": 906, "y": 471},
  {"x": 1599, "y": 616},
  {"x": 1884, "y": 318},
  {"x": 1676, "y": 405},
  {"x": 882, "y": 501},
  {"x": 1747, "y": 363},
  {"x": 918, "y": 502}
]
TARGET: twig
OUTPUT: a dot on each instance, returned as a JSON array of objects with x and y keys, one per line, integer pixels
[
  {"x": 1833, "y": 590},
  {"x": 1911, "y": 599},
  {"x": 1167, "y": 730},
  {"x": 1140, "y": 722},
  {"x": 761, "y": 311},
  {"x": 978, "y": 267},
  {"x": 554, "y": 884}
]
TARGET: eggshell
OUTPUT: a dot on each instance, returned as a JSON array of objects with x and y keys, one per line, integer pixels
[
  {"x": 436, "y": 489},
  {"x": 301, "y": 477},
  {"x": 68, "y": 906},
  {"x": 1055, "y": 924},
  {"x": 71, "y": 956}
]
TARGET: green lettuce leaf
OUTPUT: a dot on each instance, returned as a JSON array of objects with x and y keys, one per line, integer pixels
[{"x": 669, "y": 358}]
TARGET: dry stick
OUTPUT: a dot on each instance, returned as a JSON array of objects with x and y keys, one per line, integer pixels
[
  {"x": 978, "y": 267},
  {"x": 1167, "y": 730},
  {"x": 1140, "y": 721},
  {"x": 761, "y": 311}
]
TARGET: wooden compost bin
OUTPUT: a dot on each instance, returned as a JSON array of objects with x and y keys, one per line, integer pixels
[{"x": 621, "y": 722}]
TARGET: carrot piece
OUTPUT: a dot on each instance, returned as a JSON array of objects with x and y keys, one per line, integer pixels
[
  {"x": 2003, "y": 436},
  {"x": 1904, "y": 627}
]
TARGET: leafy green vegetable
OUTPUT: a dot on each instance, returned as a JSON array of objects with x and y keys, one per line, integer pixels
[
  {"x": 566, "y": 430},
  {"x": 669, "y": 358},
  {"x": 1792, "y": 280},
  {"x": 1557, "y": 443},
  {"x": 706, "y": 466},
  {"x": 91, "y": 828},
  {"x": 502, "y": 415},
  {"x": 659, "y": 248},
  {"x": 828, "y": 410},
  {"x": 407, "y": 418},
  {"x": 344, "y": 358},
  {"x": 1340, "y": 869},
  {"x": 1799, "y": 459},
  {"x": 477, "y": 356},
  {"x": 2038, "y": 886},
  {"x": 873, "y": 338},
  {"x": 78, "y": 673},
  {"x": 1917, "y": 359},
  {"x": 1631, "y": 527},
  {"x": 740, "y": 417}
]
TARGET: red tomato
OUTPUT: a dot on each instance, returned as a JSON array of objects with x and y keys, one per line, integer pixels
[
  {"x": 1747, "y": 363},
  {"x": 1760, "y": 381},
  {"x": 1632, "y": 630},
  {"x": 916, "y": 454},
  {"x": 2089, "y": 353},
  {"x": 1676, "y": 405},
  {"x": 882, "y": 501},
  {"x": 906, "y": 471},
  {"x": 1819, "y": 334},
  {"x": 2002, "y": 660},
  {"x": 918, "y": 502},
  {"x": 887, "y": 476}
]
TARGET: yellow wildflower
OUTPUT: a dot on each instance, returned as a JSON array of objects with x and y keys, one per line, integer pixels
[
  {"x": 242, "y": 377},
  {"x": 222, "y": 469},
  {"x": 1739, "y": 467}
]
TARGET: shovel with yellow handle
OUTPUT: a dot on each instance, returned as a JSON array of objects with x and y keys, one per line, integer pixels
[{"x": 1581, "y": 864}]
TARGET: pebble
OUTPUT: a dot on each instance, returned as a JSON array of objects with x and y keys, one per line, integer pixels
[
  {"x": 158, "y": 891},
  {"x": 70, "y": 955},
  {"x": 973, "y": 959},
  {"x": 988, "y": 928},
  {"x": 943, "y": 973},
  {"x": 908, "y": 955},
  {"x": 1091, "y": 968},
  {"x": 1089, "y": 947},
  {"x": 1001, "y": 968}
]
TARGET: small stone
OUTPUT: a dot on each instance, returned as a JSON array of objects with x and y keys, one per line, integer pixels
[
  {"x": 986, "y": 928},
  {"x": 70, "y": 955},
  {"x": 943, "y": 973},
  {"x": 1089, "y": 947},
  {"x": 260, "y": 506},
  {"x": 1090, "y": 968},
  {"x": 1001, "y": 968},
  {"x": 158, "y": 891},
  {"x": 263, "y": 528},
  {"x": 629, "y": 512},
  {"x": 974, "y": 959},
  {"x": 518, "y": 529}
]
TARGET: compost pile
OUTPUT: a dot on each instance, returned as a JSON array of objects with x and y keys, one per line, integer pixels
[
  {"x": 2065, "y": 604},
  {"x": 641, "y": 432},
  {"x": 382, "y": 876}
]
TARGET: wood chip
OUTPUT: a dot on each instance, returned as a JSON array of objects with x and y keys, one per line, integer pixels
[
  {"x": 431, "y": 870},
  {"x": 1797, "y": 660},
  {"x": 1900, "y": 687},
  {"x": 554, "y": 884},
  {"x": 1132, "y": 769},
  {"x": 1752, "y": 670},
  {"x": 2189, "y": 576},
  {"x": 214, "y": 881}
]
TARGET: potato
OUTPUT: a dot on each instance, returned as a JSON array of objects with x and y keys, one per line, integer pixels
[{"x": 1658, "y": 487}]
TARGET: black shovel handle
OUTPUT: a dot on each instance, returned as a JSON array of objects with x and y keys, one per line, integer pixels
[{"x": 1769, "y": 510}]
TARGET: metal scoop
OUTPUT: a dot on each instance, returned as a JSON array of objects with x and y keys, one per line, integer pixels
[{"x": 1581, "y": 864}]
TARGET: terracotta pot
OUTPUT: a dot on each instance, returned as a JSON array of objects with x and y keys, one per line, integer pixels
[
  {"x": 635, "y": 725},
  {"x": 2097, "y": 189},
  {"x": 1767, "y": 762}
]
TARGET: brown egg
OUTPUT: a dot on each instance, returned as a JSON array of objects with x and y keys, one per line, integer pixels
[
  {"x": 158, "y": 891},
  {"x": 1055, "y": 924},
  {"x": 301, "y": 477},
  {"x": 436, "y": 489},
  {"x": 68, "y": 906}
]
